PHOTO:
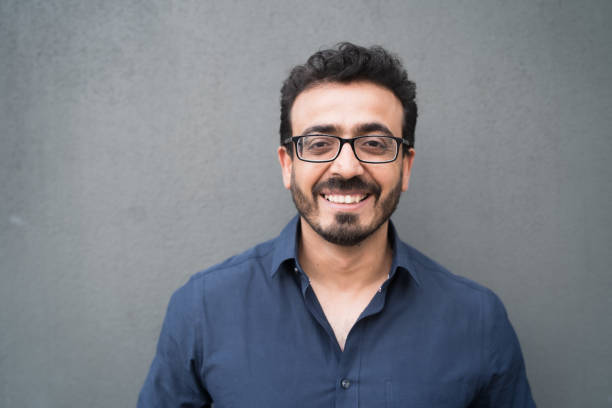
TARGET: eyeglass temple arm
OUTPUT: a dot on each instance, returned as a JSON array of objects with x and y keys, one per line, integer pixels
[{"x": 407, "y": 143}]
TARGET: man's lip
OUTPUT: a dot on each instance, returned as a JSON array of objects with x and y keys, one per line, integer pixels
[
  {"x": 340, "y": 186},
  {"x": 346, "y": 206},
  {"x": 345, "y": 192}
]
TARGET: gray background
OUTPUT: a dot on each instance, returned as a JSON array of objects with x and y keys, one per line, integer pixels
[{"x": 138, "y": 146}]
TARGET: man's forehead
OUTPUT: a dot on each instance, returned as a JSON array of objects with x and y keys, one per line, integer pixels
[
  {"x": 326, "y": 89},
  {"x": 361, "y": 107}
]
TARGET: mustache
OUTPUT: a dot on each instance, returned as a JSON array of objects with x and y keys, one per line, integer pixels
[{"x": 354, "y": 183}]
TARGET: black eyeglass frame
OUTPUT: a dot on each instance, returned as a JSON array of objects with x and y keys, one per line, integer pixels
[{"x": 351, "y": 141}]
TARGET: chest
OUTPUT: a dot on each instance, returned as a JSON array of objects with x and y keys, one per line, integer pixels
[
  {"x": 342, "y": 309},
  {"x": 285, "y": 357}
]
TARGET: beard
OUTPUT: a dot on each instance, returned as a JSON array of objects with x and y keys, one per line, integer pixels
[{"x": 346, "y": 230}]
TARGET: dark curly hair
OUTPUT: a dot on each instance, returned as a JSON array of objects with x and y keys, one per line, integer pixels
[{"x": 346, "y": 63}]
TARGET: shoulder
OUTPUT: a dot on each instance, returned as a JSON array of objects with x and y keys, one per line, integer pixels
[
  {"x": 240, "y": 263},
  {"x": 431, "y": 273},
  {"x": 446, "y": 288},
  {"x": 229, "y": 275},
  {"x": 450, "y": 296}
]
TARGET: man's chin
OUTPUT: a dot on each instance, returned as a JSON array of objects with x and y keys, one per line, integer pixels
[
  {"x": 347, "y": 219},
  {"x": 345, "y": 231}
]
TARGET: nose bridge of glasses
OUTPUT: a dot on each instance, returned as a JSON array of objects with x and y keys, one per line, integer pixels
[
  {"x": 350, "y": 145},
  {"x": 346, "y": 162}
]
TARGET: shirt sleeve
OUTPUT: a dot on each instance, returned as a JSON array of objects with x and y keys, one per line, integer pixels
[
  {"x": 505, "y": 382},
  {"x": 174, "y": 377}
]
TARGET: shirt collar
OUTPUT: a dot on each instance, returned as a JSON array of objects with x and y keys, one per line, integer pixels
[
  {"x": 401, "y": 255},
  {"x": 285, "y": 248},
  {"x": 285, "y": 245}
]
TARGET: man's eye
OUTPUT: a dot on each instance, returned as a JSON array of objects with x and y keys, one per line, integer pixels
[
  {"x": 375, "y": 144},
  {"x": 318, "y": 144}
]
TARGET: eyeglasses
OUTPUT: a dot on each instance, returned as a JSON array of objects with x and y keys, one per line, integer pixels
[{"x": 367, "y": 149}]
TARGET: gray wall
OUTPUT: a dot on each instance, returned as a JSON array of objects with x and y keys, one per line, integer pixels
[{"x": 138, "y": 146}]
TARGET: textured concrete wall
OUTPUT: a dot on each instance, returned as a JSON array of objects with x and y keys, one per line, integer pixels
[{"x": 137, "y": 146}]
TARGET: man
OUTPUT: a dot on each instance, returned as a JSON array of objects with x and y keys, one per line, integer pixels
[{"x": 337, "y": 311}]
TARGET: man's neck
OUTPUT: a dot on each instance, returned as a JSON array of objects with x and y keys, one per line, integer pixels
[{"x": 345, "y": 268}]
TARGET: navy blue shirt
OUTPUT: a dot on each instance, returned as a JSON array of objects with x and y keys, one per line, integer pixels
[{"x": 250, "y": 332}]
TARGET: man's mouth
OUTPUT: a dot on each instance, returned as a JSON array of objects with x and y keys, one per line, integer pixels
[
  {"x": 345, "y": 198},
  {"x": 348, "y": 192}
]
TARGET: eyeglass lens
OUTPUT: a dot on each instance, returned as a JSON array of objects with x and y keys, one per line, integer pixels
[{"x": 367, "y": 148}]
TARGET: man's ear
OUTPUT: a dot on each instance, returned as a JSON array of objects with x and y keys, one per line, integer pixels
[
  {"x": 286, "y": 161},
  {"x": 407, "y": 160}
]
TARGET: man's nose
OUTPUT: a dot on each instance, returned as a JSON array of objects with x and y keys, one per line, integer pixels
[{"x": 346, "y": 164}]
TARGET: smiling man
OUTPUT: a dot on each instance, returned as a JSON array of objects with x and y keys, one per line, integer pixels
[{"x": 337, "y": 311}]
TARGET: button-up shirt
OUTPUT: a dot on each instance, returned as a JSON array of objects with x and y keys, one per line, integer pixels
[{"x": 250, "y": 332}]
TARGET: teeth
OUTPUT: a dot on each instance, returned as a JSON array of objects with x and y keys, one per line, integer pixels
[{"x": 344, "y": 199}]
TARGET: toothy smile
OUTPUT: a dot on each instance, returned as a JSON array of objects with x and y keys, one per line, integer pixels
[{"x": 345, "y": 199}]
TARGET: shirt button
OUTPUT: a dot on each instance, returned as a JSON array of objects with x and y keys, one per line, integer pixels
[
  {"x": 295, "y": 270},
  {"x": 345, "y": 384}
]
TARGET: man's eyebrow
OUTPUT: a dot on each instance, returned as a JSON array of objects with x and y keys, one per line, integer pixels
[
  {"x": 361, "y": 129},
  {"x": 373, "y": 127},
  {"x": 326, "y": 129}
]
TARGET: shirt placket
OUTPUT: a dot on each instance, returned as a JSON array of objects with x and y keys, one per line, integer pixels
[{"x": 347, "y": 379}]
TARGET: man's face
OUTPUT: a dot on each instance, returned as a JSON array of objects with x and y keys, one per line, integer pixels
[{"x": 346, "y": 200}]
